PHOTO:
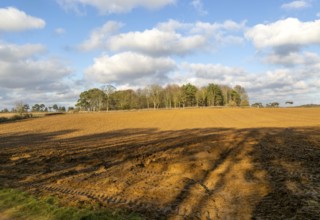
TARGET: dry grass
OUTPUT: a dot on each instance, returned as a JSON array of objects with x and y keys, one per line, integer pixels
[
  {"x": 195, "y": 163},
  {"x": 7, "y": 115}
]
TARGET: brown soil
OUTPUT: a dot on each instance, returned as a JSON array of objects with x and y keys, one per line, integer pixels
[{"x": 172, "y": 164}]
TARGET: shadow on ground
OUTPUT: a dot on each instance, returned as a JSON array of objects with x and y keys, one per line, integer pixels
[{"x": 213, "y": 173}]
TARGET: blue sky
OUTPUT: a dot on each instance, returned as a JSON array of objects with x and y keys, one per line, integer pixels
[{"x": 52, "y": 50}]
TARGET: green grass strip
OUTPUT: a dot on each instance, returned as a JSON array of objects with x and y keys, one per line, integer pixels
[{"x": 15, "y": 204}]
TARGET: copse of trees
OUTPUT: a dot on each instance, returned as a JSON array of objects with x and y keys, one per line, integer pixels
[
  {"x": 39, "y": 108},
  {"x": 272, "y": 105},
  {"x": 154, "y": 96},
  {"x": 289, "y": 102},
  {"x": 257, "y": 105},
  {"x": 268, "y": 105},
  {"x": 43, "y": 108}
]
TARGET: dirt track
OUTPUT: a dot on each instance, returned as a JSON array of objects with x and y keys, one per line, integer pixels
[{"x": 177, "y": 164}]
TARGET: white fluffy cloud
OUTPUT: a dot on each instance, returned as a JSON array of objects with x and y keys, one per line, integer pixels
[
  {"x": 203, "y": 74},
  {"x": 13, "y": 52},
  {"x": 99, "y": 36},
  {"x": 31, "y": 74},
  {"x": 293, "y": 59},
  {"x": 20, "y": 68},
  {"x": 156, "y": 42},
  {"x": 14, "y": 20},
  {"x": 129, "y": 67},
  {"x": 276, "y": 79},
  {"x": 296, "y": 5},
  {"x": 290, "y": 32},
  {"x": 282, "y": 85},
  {"x": 205, "y": 27},
  {"x": 284, "y": 42},
  {"x": 220, "y": 73},
  {"x": 168, "y": 38},
  {"x": 114, "y": 6},
  {"x": 25, "y": 76}
]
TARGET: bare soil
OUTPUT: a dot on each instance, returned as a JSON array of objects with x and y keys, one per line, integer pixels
[{"x": 172, "y": 164}]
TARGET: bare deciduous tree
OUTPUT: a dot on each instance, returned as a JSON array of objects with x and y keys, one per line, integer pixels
[{"x": 108, "y": 90}]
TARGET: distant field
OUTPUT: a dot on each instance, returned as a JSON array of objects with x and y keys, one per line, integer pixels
[
  {"x": 7, "y": 115},
  {"x": 187, "y": 163}
]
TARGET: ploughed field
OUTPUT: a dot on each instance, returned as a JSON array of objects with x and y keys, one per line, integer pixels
[{"x": 172, "y": 164}]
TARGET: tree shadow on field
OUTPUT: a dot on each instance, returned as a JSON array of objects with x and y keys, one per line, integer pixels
[
  {"x": 292, "y": 159},
  {"x": 212, "y": 173}
]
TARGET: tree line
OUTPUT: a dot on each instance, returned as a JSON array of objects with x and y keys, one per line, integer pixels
[
  {"x": 21, "y": 107},
  {"x": 270, "y": 105},
  {"x": 155, "y": 96}
]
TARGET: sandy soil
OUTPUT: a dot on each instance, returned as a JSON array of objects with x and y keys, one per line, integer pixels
[{"x": 172, "y": 164}]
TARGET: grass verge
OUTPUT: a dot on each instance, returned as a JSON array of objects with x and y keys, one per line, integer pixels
[{"x": 15, "y": 204}]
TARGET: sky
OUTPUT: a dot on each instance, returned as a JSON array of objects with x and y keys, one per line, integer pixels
[{"x": 52, "y": 50}]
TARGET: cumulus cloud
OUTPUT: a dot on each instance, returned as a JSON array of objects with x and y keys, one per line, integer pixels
[
  {"x": 113, "y": 6},
  {"x": 172, "y": 25},
  {"x": 20, "y": 68},
  {"x": 39, "y": 75},
  {"x": 99, "y": 36},
  {"x": 13, "y": 52},
  {"x": 276, "y": 79},
  {"x": 202, "y": 74},
  {"x": 213, "y": 71},
  {"x": 293, "y": 59},
  {"x": 296, "y": 5},
  {"x": 9, "y": 97},
  {"x": 228, "y": 32},
  {"x": 198, "y": 5},
  {"x": 288, "y": 32},
  {"x": 283, "y": 84},
  {"x": 293, "y": 80},
  {"x": 283, "y": 42},
  {"x": 167, "y": 38},
  {"x": 25, "y": 76},
  {"x": 156, "y": 42},
  {"x": 14, "y": 20},
  {"x": 129, "y": 67}
]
